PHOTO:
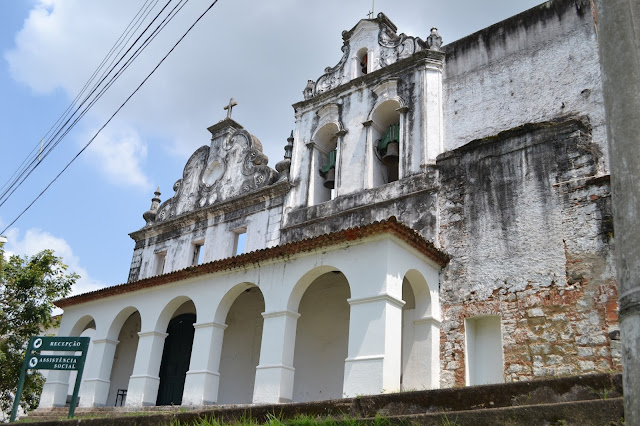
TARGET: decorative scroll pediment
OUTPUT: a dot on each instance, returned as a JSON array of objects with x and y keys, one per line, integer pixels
[
  {"x": 378, "y": 36},
  {"x": 232, "y": 166},
  {"x": 333, "y": 76},
  {"x": 394, "y": 47}
]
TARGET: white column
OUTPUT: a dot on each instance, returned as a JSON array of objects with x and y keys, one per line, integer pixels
[
  {"x": 340, "y": 134},
  {"x": 370, "y": 155},
  {"x": 404, "y": 145},
  {"x": 144, "y": 382},
  {"x": 95, "y": 385},
  {"x": 432, "y": 113},
  {"x": 374, "y": 361},
  {"x": 203, "y": 378},
  {"x": 54, "y": 392},
  {"x": 275, "y": 373},
  {"x": 426, "y": 346}
]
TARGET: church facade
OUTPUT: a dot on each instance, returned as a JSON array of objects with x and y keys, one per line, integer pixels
[{"x": 441, "y": 218}]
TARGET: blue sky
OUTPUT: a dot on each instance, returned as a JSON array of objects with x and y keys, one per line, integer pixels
[{"x": 260, "y": 53}]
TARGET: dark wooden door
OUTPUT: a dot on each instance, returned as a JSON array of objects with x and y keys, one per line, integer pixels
[{"x": 175, "y": 359}]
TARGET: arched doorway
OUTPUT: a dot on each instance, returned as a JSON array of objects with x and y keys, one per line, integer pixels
[
  {"x": 88, "y": 331},
  {"x": 124, "y": 359},
  {"x": 322, "y": 338},
  {"x": 420, "y": 335},
  {"x": 175, "y": 359},
  {"x": 241, "y": 348}
]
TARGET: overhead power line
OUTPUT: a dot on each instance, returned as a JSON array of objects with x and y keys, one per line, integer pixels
[
  {"x": 65, "y": 128},
  {"x": 40, "y": 145},
  {"x": 113, "y": 115},
  {"x": 68, "y": 127}
]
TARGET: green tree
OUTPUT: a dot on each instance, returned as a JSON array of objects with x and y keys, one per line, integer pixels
[{"x": 28, "y": 287}]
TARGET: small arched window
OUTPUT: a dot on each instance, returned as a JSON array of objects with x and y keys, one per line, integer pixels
[{"x": 362, "y": 63}]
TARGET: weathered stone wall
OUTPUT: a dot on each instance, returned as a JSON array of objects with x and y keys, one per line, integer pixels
[
  {"x": 526, "y": 219},
  {"x": 529, "y": 68},
  {"x": 260, "y": 213},
  {"x": 412, "y": 200}
]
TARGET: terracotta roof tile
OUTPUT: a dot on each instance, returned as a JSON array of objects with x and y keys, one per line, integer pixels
[{"x": 391, "y": 226}]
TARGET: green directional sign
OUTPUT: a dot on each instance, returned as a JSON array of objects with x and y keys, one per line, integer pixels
[
  {"x": 60, "y": 343},
  {"x": 54, "y": 362},
  {"x": 36, "y": 360}
]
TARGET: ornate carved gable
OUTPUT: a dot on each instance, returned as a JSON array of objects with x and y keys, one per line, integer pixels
[
  {"x": 379, "y": 37},
  {"x": 233, "y": 165}
]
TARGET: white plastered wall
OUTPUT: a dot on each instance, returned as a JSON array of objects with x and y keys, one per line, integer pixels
[
  {"x": 263, "y": 230},
  {"x": 537, "y": 73},
  {"x": 375, "y": 321}
]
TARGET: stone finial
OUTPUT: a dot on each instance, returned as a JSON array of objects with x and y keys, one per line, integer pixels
[
  {"x": 284, "y": 166},
  {"x": 308, "y": 91},
  {"x": 150, "y": 215},
  {"x": 288, "y": 149},
  {"x": 434, "y": 41}
]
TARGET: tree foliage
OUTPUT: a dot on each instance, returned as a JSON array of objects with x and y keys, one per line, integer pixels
[{"x": 28, "y": 287}]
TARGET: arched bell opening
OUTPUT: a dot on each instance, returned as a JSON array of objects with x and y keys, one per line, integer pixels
[
  {"x": 325, "y": 156},
  {"x": 241, "y": 347},
  {"x": 176, "y": 354},
  {"x": 387, "y": 140},
  {"x": 322, "y": 336}
]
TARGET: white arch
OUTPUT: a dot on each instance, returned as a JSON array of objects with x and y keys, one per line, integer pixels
[
  {"x": 304, "y": 282},
  {"x": 421, "y": 292},
  {"x": 119, "y": 320},
  {"x": 167, "y": 313},
  {"x": 322, "y": 335},
  {"x": 397, "y": 100},
  {"x": 81, "y": 325},
  {"x": 227, "y": 300}
]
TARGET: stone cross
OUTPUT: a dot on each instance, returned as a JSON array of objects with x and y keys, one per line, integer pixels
[{"x": 229, "y": 107}]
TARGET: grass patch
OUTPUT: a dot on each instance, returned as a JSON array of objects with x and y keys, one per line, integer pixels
[{"x": 273, "y": 420}]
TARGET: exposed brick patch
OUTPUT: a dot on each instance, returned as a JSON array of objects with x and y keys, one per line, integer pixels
[{"x": 527, "y": 222}]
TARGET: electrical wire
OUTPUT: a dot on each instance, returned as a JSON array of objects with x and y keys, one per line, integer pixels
[
  {"x": 112, "y": 116},
  {"x": 66, "y": 128},
  {"x": 33, "y": 164},
  {"x": 137, "y": 17}
]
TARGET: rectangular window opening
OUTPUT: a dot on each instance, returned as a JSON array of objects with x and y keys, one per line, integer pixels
[
  {"x": 484, "y": 354},
  {"x": 240, "y": 239},
  {"x": 197, "y": 253},
  {"x": 160, "y": 261}
]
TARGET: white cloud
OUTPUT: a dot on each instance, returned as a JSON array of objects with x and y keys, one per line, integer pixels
[
  {"x": 118, "y": 155},
  {"x": 260, "y": 53},
  {"x": 36, "y": 240}
]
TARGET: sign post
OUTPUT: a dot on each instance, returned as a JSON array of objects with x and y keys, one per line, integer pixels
[{"x": 34, "y": 360}]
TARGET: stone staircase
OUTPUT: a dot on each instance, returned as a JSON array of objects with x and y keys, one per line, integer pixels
[{"x": 581, "y": 400}]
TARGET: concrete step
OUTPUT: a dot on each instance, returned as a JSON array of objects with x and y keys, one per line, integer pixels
[
  {"x": 609, "y": 412},
  {"x": 581, "y": 391}
]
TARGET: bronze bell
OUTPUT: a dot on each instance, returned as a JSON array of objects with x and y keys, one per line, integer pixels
[
  {"x": 392, "y": 154},
  {"x": 330, "y": 179}
]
